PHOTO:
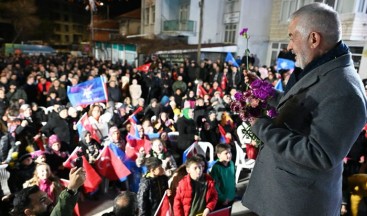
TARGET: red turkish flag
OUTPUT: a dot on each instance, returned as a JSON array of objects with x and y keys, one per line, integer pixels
[
  {"x": 200, "y": 91},
  {"x": 144, "y": 67},
  {"x": 110, "y": 166},
  {"x": 92, "y": 179},
  {"x": 164, "y": 208}
]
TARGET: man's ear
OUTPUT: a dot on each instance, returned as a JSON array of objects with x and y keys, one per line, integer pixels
[
  {"x": 28, "y": 211},
  {"x": 314, "y": 39}
]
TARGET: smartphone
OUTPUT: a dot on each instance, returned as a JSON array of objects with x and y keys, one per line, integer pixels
[{"x": 79, "y": 160}]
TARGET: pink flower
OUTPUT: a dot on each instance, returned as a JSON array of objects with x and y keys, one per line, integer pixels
[{"x": 243, "y": 32}]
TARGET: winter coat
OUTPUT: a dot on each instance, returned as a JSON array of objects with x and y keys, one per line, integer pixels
[
  {"x": 183, "y": 197},
  {"x": 187, "y": 131},
  {"x": 150, "y": 194},
  {"x": 299, "y": 169}
]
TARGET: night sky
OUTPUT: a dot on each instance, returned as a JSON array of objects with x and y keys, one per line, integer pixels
[{"x": 118, "y": 7}]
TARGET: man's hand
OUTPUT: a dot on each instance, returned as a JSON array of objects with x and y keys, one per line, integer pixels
[
  {"x": 76, "y": 177},
  {"x": 252, "y": 121}
]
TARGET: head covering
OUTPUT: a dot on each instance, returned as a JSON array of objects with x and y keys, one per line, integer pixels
[
  {"x": 185, "y": 113},
  {"x": 25, "y": 106},
  {"x": 24, "y": 156},
  {"x": 164, "y": 100},
  {"x": 61, "y": 108},
  {"x": 53, "y": 139}
]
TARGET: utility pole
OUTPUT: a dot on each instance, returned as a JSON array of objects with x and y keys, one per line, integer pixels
[{"x": 201, "y": 5}]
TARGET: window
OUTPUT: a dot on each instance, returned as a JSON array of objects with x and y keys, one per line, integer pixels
[
  {"x": 333, "y": 3},
  {"x": 287, "y": 8},
  {"x": 184, "y": 12},
  {"x": 290, "y": 6},
  {"x": 275, "y": 50},
  {"x": 67, "y": 39},
  {"x": 230, "y": 33},
  {"x": 356, "y": 56},
  {"x": 153, "y": 14},
  {"x": 362, "y": 6},
  {"x": 146, "y": 16}
]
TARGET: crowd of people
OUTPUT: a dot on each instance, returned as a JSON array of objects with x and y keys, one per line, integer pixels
[
  {"x": 39, "y": 124},
  {"x": 39, "y": 133}
]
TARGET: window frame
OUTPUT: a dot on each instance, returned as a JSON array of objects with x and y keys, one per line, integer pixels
[{"x": 230, "y": 30}]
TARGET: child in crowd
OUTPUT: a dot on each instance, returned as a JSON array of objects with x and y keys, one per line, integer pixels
[
  {"x": 152, "y": 187},
  {"x": 46, "y": 181},
  {"x": 223, "y": 172},
  {"x": 159, "y": 151},
  {"x": 55, "y": 157},
  {"x": 89, "y": 146},
  {"x": 196, "y": 193}
]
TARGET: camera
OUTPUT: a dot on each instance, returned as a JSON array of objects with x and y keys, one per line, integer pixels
[{"x": 79, "y": 160}]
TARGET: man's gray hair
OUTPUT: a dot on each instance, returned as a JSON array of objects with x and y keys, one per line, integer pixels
[{"x": 321, "y": 18}]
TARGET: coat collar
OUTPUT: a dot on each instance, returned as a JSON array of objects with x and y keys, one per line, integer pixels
[{"x": 314, "y": 76}]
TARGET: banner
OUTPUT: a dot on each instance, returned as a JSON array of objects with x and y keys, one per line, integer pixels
[{"x": 88, "y": 92}]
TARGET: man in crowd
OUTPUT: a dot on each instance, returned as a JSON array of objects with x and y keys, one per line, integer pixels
[{"x": 32, "y": 201}]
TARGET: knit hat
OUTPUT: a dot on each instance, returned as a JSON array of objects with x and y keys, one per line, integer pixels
[
  {"x": 53, "y": 139},
  {"x": 61, "y": 108},
  {"x": 164, "y": 100}
]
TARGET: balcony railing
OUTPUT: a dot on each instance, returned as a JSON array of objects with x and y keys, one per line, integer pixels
[{"x": 178, "y": 25}]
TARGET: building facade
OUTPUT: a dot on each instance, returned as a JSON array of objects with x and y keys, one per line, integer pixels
[
  {"x": 266, "y": 21},
  {"x": 353, "y": 14}
]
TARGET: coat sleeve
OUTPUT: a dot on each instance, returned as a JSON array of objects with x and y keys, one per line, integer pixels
[
  {"x": 310, "y": 135},
  {"x": 65, "y": 204},
  {"x": 143, "y": 197},
  {"x": 211, "y": 196},
  {"x": 178, "y": 204},
  {"x": 215, "y": 174}
]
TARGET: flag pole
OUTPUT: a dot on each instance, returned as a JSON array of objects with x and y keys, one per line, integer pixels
[{"x": 160, "y": 204}]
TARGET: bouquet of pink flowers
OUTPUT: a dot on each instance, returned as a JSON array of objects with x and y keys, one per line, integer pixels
[{"x": 253, "y": 103}]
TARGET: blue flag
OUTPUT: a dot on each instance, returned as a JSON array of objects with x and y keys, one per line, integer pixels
[
  {"x": 231, "y": 60},
  {"x": 284, "y": 64},
  {"x": 88, "y": 92},
  {"x": 279, "y": 86},
  {"x": 189, "y": 152}
]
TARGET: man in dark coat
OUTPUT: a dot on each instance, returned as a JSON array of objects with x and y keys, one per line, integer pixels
[
  {"x": 299, "y": 168},
  {"x": 59, "y": 125}
]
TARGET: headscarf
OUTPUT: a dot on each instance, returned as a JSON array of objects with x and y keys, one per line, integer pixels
[{"x": 185, "y": 113}]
